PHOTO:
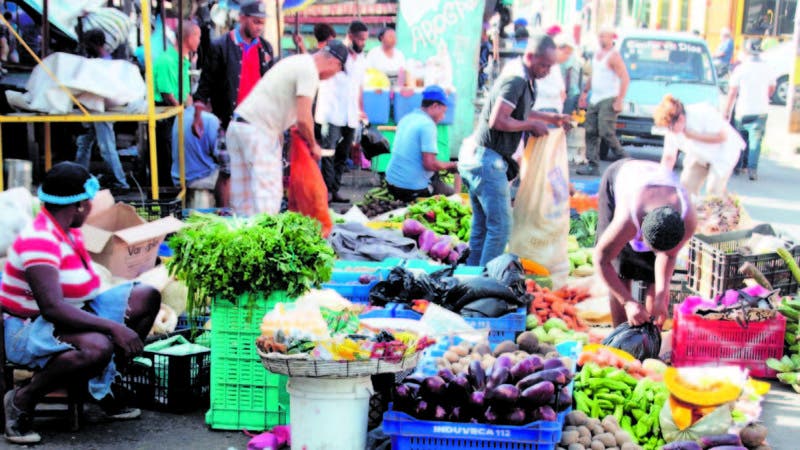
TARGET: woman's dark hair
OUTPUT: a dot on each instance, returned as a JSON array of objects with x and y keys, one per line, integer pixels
[
  {"x": 323, "y": 32},
  {"x": 663, "y": 228},
  {"x": 64, "y": 179}
]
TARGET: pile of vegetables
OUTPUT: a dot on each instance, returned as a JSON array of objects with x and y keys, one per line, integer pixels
[
  {"x": 584, "y": 433},
  {"x": 554, "y": 331},
  {"x": 788, "y": 369},
  {"x": 584, "y": 228},
  {"x": 511, "y": 391},
  {"x": 443, "y": 216},
  {"x": 580, "y": 258},
  {"x": 379, "y": 201},
  {"x": 718, "y": 214},
  {"x": 439, "y": 248},
  {"x": 233, "y": 258},
  {"x": 558, "y": 304},
  {"x": 635, "y": 404},
  {"x": 582, "y": 202},
  {"x": 458, "y": 358},
  {"x": 790, "y": 309},
  {"x": 603, "y": 357},
  {"x": 752, "y": 437}
]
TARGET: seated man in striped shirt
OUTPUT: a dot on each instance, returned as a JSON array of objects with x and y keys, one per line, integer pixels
[{"x": 56, "y": 319}]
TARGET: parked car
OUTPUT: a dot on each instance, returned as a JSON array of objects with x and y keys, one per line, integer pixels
[
  {"x": 781, "y": 59},
  {"x": 661, "y": 63}
]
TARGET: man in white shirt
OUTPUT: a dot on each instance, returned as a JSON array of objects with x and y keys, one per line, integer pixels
[
  {"x": 281, "y": 98},
  {"x": 340, "y": 108},
  {"x": 750, "y": 88},
  {"x": 387, "y": 58}
]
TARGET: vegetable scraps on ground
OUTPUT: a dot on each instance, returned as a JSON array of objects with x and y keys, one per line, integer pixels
[
  {"x": 635, "y": 404},
  {"x": 238, "y": 258},
  {"x": 512, "y": 391},
  {"x": 558, "y": 304},
  {"x": 443, "y": 216}
]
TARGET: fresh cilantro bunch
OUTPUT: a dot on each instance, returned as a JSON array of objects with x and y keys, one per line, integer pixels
[{"x": 232, "y": 258}]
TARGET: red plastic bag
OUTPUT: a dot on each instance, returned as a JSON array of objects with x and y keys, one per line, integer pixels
[{"x": 308, "y": 194}]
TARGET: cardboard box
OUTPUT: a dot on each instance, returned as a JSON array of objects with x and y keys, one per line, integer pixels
[{"x": 121, "y": 240}]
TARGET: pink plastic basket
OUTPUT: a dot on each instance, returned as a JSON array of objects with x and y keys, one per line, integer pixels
[{"x": 700, "y": 342}]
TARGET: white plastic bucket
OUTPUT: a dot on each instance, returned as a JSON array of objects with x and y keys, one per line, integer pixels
[{"x": 329, "y": 414}]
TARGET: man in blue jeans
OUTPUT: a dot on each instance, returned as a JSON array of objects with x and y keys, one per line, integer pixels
[
  {"x": 750, "y": 89},
  {"x": 486, "y": 166}
]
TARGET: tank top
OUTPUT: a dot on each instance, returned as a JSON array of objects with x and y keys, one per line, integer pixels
[
  {"x": 605, "y": 82},
  {"x": 635, "y": 176}
]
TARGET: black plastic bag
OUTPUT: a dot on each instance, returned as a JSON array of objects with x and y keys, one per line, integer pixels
[
  {"x": 373, "y": 143},
  {"x": 641, "y": 342},
  {"x": 477, "y": 288},
  {"x": 508, "y": 270},
  {"x": 402, "y": 286},
  {"x": 487, "y": 307}
]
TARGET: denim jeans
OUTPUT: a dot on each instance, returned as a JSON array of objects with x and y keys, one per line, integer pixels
[
  {"x": 484, "y": 174},
  {"x": 755, "y": 126},
  {"x": 103, "y": 133}
]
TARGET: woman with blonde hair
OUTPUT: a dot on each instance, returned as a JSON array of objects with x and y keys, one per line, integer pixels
[{"x": 711, "y": 145}]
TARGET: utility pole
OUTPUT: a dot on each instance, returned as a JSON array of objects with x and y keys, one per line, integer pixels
[{"x": 793, "y": 98}]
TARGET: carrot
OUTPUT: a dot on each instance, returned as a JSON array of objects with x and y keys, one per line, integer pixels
[{"x": 552, "y": 298}]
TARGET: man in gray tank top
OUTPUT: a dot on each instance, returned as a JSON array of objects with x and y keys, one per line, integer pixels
[{"x": 608, "y": 86}]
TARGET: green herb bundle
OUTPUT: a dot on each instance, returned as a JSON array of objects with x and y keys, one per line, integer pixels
[{"x": 232, "y": 258}]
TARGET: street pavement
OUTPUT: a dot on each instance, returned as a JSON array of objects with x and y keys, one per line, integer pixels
[{"x": 772, "y": 199}]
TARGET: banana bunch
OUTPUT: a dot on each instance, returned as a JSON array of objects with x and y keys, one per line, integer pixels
[
  {"x": 791, "y": 310},
  {"x": 788, "y": 369}
]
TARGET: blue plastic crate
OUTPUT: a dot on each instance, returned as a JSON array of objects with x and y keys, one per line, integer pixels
[
  {"x": 408, "y": 433},
  {"x": 377, "y": 105},
  {"x": 422, "y": 265},
  {"x": 469, "y": 271},
  {"x": 404, "y": 105},
  {"x": 392, "y": 311},
  {"x": 360, "y": 266},
  {"x": 590, "y": 187},
  {"x": 501, "y": 329},
  {"x": 347, "y": 285},
  {"x": 450, "y": 115}
]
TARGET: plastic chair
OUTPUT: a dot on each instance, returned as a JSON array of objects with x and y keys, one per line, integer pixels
[{"x": 71, "y": 397}]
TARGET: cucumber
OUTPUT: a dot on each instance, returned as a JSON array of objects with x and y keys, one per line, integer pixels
[{"x": 790, "y": 262}]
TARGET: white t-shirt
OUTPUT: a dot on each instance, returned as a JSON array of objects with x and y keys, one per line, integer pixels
[
  {"x": 377, "y": 59},
  {"x": 549, "y": 90},
  {"x": 272, "y": 104},
  {"x": 753, "y": 79},
  {"x": 338, "y": 98},
  {"x": 705, "y": 119}
]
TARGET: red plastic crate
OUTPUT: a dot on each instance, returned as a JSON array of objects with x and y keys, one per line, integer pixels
[{"x": 701, "y": 342}]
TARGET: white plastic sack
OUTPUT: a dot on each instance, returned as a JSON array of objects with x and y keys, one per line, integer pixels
[{"x": 541, "y": 208}]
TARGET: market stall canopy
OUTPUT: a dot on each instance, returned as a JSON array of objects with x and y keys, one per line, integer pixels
[
  {"x": 62, "y": 15},
  {"x": 294, "y": 6},
  {"x": 339, "y": 12}
]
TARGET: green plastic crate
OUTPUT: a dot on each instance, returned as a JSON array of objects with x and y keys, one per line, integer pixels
[{"x": 243, "y": 393}]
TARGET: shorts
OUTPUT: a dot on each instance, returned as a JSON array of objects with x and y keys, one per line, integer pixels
[
  {"x": 223, "y": 159},
  {"x": 629, "y": 264},
  {"x": 33, "y": 342},
  {"x": 208, "y": 182}
]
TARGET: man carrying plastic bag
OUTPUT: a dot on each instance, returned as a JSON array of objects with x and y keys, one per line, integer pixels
[{"x": 485, "y": 162}]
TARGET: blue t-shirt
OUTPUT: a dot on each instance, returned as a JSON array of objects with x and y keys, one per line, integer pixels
[
  {"x": 199, "y": 153},
  {"x": 416, "y": 134},
  {"x": 726, "y": 50}
]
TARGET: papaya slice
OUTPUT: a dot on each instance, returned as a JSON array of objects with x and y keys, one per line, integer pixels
[
  {"x": 681, "y": 414},
  {"x": 591, "y": 348},
  {"x": 717, "y": 394}
]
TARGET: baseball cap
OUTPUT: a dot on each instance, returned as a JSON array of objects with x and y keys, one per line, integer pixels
[
  {"x": 336, "y": 48},
  {"x": 436, "y": 94},
  {"x": 253, "y": 8},
  {"x": 521, "y": 22}
]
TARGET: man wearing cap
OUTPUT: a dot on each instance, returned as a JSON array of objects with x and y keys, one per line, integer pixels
[
  {"x": 235, "y": 63},
  {"x": 412, "y": 170},
  {"x": 750, "y": 88},
  {"x": 340, "y": 108},
  {"x": 608, "y": 86},
  {"x": 281, "y": 98},
  {"x": 486, "y": 165}
]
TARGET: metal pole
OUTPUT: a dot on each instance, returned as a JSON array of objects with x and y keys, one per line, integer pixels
[
  {"x": 278, "y": 27},
  {"x": 181, "y": 149},
  {"x": 179, "y": 44},
  {"x": 2, "y": 186},
  {"x": 48, "y": 153},
  {"x": 151, "y": 106}
]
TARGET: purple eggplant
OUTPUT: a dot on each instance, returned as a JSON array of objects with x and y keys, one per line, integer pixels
[
  {"x": 489, "y": 416},
  {"x": 426, "y": 240},
  {"x": 440, "y": 413},
  {"x": 476, "y": 375},
  {"x": 412, "y": 228},
  {"x": 719, "y": 440},
  {"x": 367, "y": 278},
  {"x": 453, "y": 257},
  {"x": 446, "y": 374},
  {"x": 498, "y": 377},
  {"x": 455, "y": 415},
  {"x": 503, "y": 361},
  {"x": 458, "y": 390},
  {"x": 476, "y": 403},
  {"x": 502, "y": 397},
  {"x": 415, "y": 378},
  {"x": 682, "y": 445},
  {"x": 564, "y": 399},
  {"x": 553, "y": 363},
  {"x": 516, "y": 417},
  {"x": 539, "y": 394},
  {"x": 526, "y": 367},
  {"x": 432, "y": 389},
  {"x": 403, "y": 398},
  {"x": 441, "y": 249},
  {"x": 546, "y": 413},
  {"x": 422, "y": 410},
  {"x": 558, "y": 377}
]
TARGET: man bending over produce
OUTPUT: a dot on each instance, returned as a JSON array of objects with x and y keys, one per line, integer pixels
[
  {"x": 412, "y": 170},
  {"x": 280, "y": 99},
  {"x": 487, "y": 166},
  {"x": 645, "y": 217}
]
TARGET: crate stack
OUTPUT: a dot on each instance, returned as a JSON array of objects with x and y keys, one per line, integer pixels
[{"x": 243, "y": 394}]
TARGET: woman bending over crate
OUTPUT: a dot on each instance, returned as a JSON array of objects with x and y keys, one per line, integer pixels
[
  {"x": 645, "y": 218},
  {"x": 56, "y": 321}
]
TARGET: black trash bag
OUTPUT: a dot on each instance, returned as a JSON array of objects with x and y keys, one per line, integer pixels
[
  {"x": 478, "y": 288},
  {"x": 487, "y": 307},
  {"x": 641, "y": 342},
  {"x": 507, "y": 269},
  {"x": 402, "y": 286},
  {"x": 373, "y": 143}
]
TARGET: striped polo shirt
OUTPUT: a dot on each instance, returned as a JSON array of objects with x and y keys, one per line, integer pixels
[{"x": 43, "y": 242}]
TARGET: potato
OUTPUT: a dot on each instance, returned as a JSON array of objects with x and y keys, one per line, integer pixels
[
  {"x": 584, "y": 431},
  {"x": 763, "y": 447},
  {"x": 457, "y": 368},
  {"x": 576, "y": 447},
  {"x": 630, "y": 446},
  {"x": 585, "y": 441},
  {"x": 597, "y": 430},
  {"x": 570, "y": 428},
  {"x": 474, "y": 356},
  {"x": 505, "y": 347},
  {"x": 577, "y": 418},
  {"x": 610, "y": 424},
  {"x": 460, "y": 350},
  {"x": 569, "y": 437},
  {"x": 622, "y": 437},
  {"x": 597, "y": 445},
  {"x": 612, "y": 448},
  {"x": 451, "y": 356},
  {"x": 607, "y": 439},
  {"x": 552, "y": 355}
]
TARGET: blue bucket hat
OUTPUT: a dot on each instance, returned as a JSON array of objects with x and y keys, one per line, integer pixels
[{"x": 435, "y": 93}]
